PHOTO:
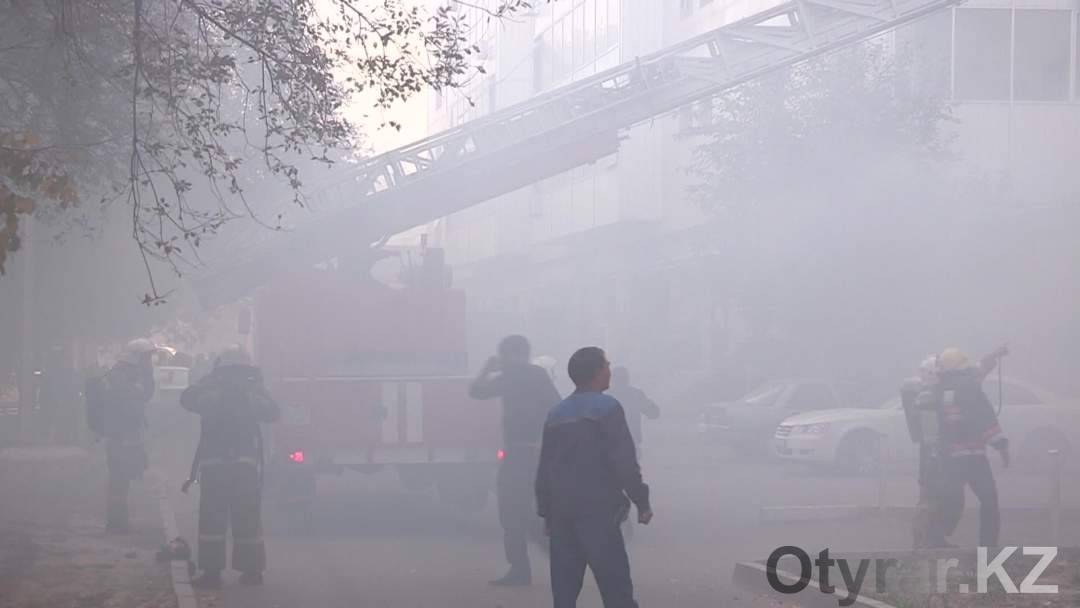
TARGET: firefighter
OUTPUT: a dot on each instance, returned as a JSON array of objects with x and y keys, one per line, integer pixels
[
  {"x": 116, "y": 410},
  {"x": 231, "y": 401},
  {"x": 528, "y": 394},
  {"x": 587, "y": 471},
  {"x": 968, "y": 425},
  {"x": 923, "y": 421}
]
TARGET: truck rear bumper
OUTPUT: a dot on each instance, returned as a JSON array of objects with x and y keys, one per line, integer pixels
[{"x": 414, "y": 455}]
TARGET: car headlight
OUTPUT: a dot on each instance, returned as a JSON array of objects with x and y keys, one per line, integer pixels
[{"x": 813, "y": 429}]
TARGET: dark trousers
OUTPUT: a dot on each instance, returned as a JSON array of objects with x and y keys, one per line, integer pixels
[
  {"x": 957, "y": 473},
  {"x": 126, "y": 461},
  {"x": 596, "y": 542},
  {"x": 230, "y": 498},
  {"x": 516, "y": 494}
]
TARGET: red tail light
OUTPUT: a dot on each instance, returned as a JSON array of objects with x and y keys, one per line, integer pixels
[
  {"x": 297, "y": 457},
  {"x": 500, "y": 455}
]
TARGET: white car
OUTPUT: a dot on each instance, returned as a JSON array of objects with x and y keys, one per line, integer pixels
[
  {"x": 747, "y": 424},
  {"x": 857, "y": 440}
]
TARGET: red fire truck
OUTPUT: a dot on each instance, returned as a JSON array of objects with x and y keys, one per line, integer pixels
[{"x": 372, "y": 376}]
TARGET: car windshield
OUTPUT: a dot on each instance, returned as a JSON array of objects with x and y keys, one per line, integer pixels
[{"x": 764, "y": 397}]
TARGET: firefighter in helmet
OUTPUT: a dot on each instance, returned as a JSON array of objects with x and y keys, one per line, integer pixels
[
  {"x": 231, "y": 401},
  {"x": 968, "y": 423},
  {"x": 921, "y": 412},
  {"x": 116, "y": 411}
]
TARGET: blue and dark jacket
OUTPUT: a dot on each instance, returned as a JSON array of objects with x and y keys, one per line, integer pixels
[
  {"x": 232, "y": 401},
  {"x": 588, "y": 462}
]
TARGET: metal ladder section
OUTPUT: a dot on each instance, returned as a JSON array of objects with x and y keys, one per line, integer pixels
[{"x": 553, "y": 132}]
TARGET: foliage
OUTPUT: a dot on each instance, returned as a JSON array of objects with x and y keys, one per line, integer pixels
[
  {"x": 813, "y": 132},
  {"x": 826, "y": 183},
  {"x": 27, "y": 174},
  {"x": 178, "y": 107}
]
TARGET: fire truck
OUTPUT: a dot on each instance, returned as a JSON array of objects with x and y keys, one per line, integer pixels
[{"x": 373, "y": 376}]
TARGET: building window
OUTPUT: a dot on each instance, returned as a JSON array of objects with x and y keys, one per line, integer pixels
[
  {"x": 927, "y": 42},
  {"x": 982, "y": 54},
  {"x": 579, "y": 36},
  {"x": 614, "y": 22},
  {"x": 541, "y": 61},
  {"x": 1041, "y": 64},
  {"x": 560, "y": 44},
  {"x": 590, "y": 31},
  {"x": 601, "y": 27}
]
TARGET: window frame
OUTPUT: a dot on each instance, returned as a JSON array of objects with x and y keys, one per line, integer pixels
[{"x": 1073, "y": 92}]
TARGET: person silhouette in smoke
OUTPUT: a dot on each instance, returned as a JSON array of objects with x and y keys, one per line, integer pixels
[
  {"x": 527, "y": 394},
  {"x": 635, "y": 402},
  {"x": 232, "y": 402}
]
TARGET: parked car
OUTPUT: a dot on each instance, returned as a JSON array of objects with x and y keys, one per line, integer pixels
[
  {"x": 856, "y": 440},
  {"x": 747, "y": 424}
]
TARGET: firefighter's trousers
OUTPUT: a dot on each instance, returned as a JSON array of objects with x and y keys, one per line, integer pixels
[
  {"x": 230, "y": 498},
  {"x": 126, "y": 461},
  {"x": 958, "y": 472}
]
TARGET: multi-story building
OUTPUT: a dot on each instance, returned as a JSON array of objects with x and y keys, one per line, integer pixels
[{"x": 615, "y": 252}]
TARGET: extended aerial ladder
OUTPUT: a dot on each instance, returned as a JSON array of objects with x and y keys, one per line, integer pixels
[{"x": 554, "y": 132}]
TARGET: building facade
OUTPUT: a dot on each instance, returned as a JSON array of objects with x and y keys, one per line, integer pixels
[{"x": 616, "y": 253}]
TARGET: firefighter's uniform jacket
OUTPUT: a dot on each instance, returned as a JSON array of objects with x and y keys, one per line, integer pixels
[
  {"x": 968, "y": 425},
  {"x": 232, "y": 402}
]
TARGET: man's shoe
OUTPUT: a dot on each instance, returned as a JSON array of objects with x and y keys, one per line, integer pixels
[
  {"x": 251, "y": 578},
  {"x": 208, "y": 580},
  {"x": 512, "y": 579}
]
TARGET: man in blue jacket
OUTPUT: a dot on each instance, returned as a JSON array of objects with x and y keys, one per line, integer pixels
[{"x": 587, "y": 479}]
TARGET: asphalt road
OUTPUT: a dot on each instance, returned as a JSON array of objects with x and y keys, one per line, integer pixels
[{"x": 375, "y": 545}]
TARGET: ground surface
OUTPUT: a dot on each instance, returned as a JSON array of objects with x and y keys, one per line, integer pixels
[
  {"x": 375, "y": 545},
  {"x": 54, "y": 552}
]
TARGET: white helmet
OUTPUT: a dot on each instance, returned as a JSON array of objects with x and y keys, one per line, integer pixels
[{"x": 929, "y": 365}]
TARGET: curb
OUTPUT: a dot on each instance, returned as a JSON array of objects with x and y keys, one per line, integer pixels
[
  {"x": 803, "y": 513},
  {"x": 181, "y": 581},
  {"x": 750, "y": 576}
]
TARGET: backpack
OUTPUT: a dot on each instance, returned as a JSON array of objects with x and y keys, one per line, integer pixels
[{"x": 95, "y": 404}]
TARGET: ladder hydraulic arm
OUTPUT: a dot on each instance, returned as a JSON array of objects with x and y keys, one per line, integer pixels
[{"x": 553, "y": 132}]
